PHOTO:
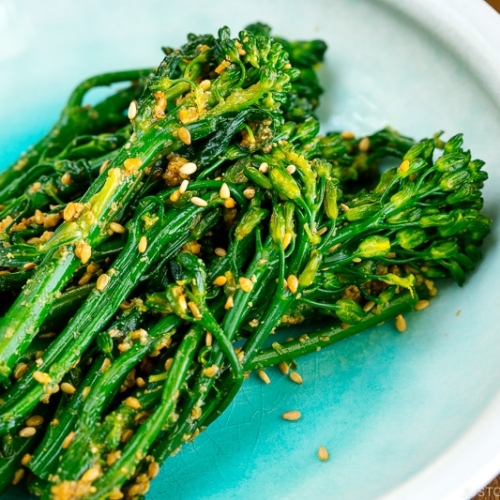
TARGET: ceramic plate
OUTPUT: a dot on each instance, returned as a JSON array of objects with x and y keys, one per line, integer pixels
[{"x": 404, "y": 416}]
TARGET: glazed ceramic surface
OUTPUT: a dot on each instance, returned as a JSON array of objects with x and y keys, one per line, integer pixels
[{"x": 404, "y": 416}]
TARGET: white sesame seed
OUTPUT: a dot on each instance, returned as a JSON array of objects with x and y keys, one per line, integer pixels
[
  {"x": 220, "y": 252},
  {"x": 132, "y": 110},
  {"x": 35, "y": 421},
  {"x": 102, "y": 282},
  {"x": 323, "y": 454},
  {"x": 422, "y": 304},
  {"x": 188, "y": 169},
  {"x": 68, "y": 388},
  {"x": 224, "y": 192},
  {"x": 245, "y": 284},
  {"x": 143, "y": 244},
  {"x": 183, "y": 187},
  {"x": 364, "y": 144},
  {"x": 400, "y": 323},
  {"x": 199, "y": 202},
  {"x": 291, "y": 415},
  {"x": 264, "y": 167},
  {"x": 283, "y": 367},
  {"x": 264, "y": 377},
  {"x": 347, "y": 134},
  {"x": 18, "y": 476},
  {"x": 249, "y": 193},
  {"x": 291, "y": 169},
  {"x": 27, "y": 432},
  {"x": 295, "y": 377},
  {"x": 116, "y": 228}
]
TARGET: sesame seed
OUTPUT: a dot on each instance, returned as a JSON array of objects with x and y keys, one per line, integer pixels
[
  {"x": 26, "y": 459},
  {"x": 422, "y": 304},
  {"x": 115, "y": 495},
  {"x": 175, "y": 196},
  {"x": 249, "y": 193},
  {"x": 264, "y": 377},
  {"x": 220, "y": 252},
  {"x": 291, "y": 415},
  {"x": 181, "y": 300},
  {"x": 364, "y": 144},
  {"x": 27, "y": 432},
  {"x": 66, "y": 179},
  {"x": 199, "y": 202},
  {"x": 400, "y": 323},
  {"x": 229, "y": 303},
  {"x": 291, "y": 169},
  {"x": 86, "y": 277},
  {"x": 188, "y": 169},
  {"x": 193, "y": 307},
  {"x": 188, "y": 115},
  {"x": 224, "y": 192},
  {"x": 356, "y": 260},
  {"x": 68, "y": 439},
  {"x": 283, "y": 367},
  {"x": 264, "y": 167},
  {"x": 211, "y": 371},
  {"x": 133, "y": 403},
  {"x": 105, "y": 365},
  {"x": 153, "y": 470},
  {"x": 208, "y": 339},
  {"x": 91, "y": 475},
  {"x": 292, "y": 283},
  {"x": 68, "y": 388},
  {"x": 183, "y": 187},
  {"x": 295, "y": 377},
  {"x": 229, "y": 203},
  {"x": 35, "y": 421},
  {"x": 347, "y": 134},
  {"x": 368, "y": 306},
  {"x": 220, "y": 281},
  {"x": 334, "y": 247},
  {"x": 104, "y": 166},
  {"x": 41, "y": 377},
  {"x": 245, "y": 284},
  {"x": 29, "y": 266},
  {"x": 323, "y": 454},
  {"x": 85, "y": 392},
  {"x": 132, "y": 110},
  {"x": 168, "y": 364},
  {"x": 102, "y": 282},
  {"x": 184, "y": 135},
  {"x": 116, "y": 228},
  {"x": 127, "y": 435},
  {"x": 222, "y": 66},
  {"x": 344, "y": 207},
  {"x": 143, "y": 244},
  {"x": 19, "y": 474},
  {"x": 20, "y": 370},
  {"x": 140, "y": 382}
]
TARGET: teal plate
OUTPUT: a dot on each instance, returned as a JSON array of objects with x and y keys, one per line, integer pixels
[{"x": 404, "y": 416}]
